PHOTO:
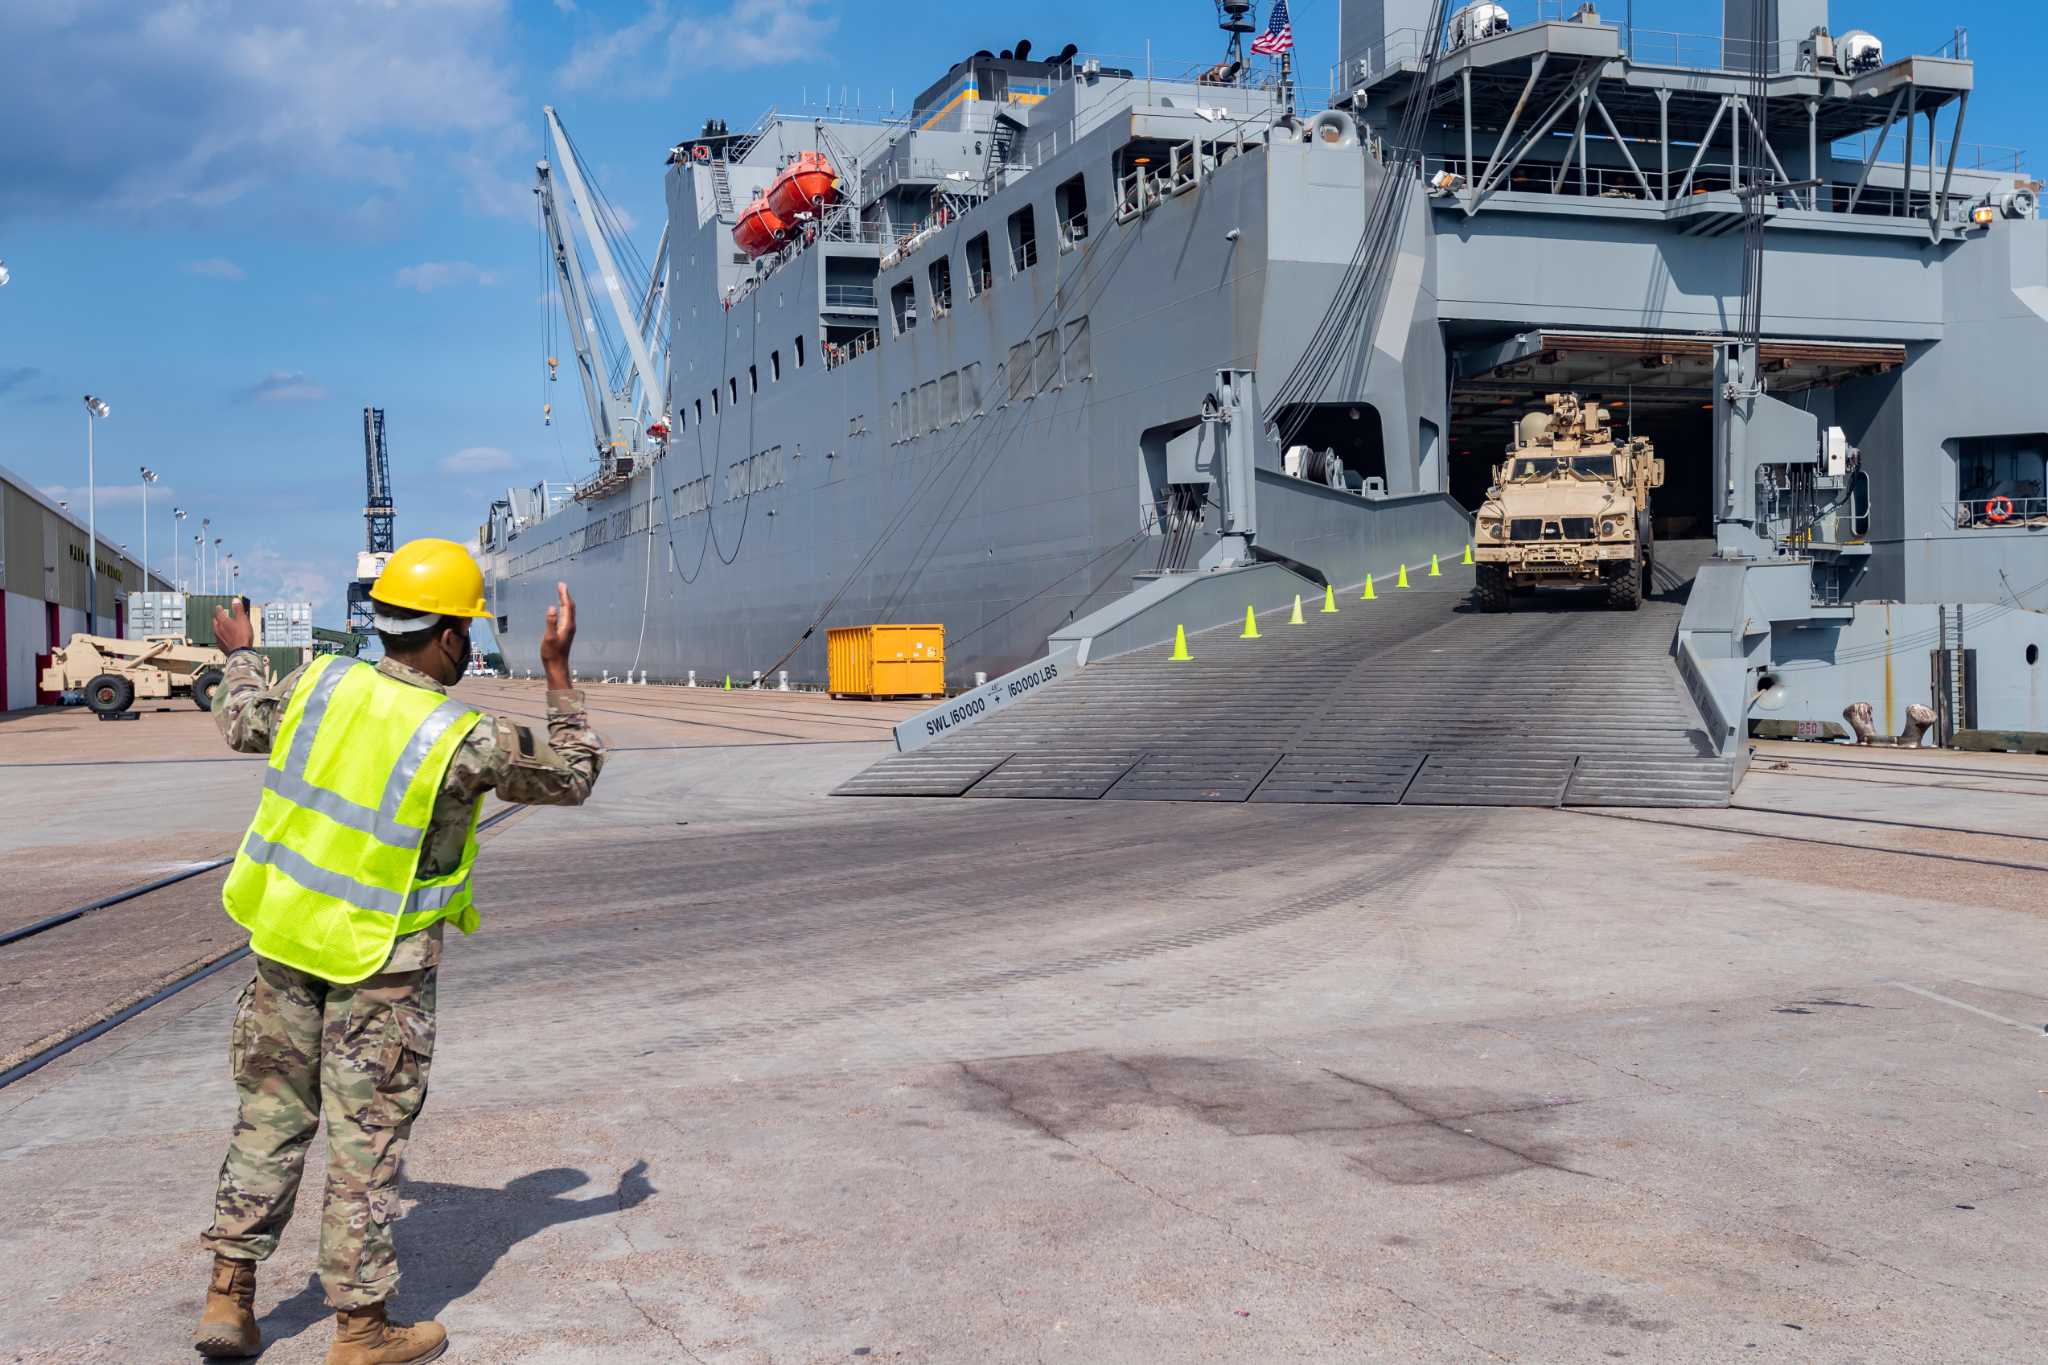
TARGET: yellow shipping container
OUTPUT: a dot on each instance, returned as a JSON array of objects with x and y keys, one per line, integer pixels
[{"x": 886, "y": 661}]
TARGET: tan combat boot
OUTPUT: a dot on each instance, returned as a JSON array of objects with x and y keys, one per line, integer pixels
[
  {"x": 227, "y": 1329},
  {"x": 363, "y": 1336}
]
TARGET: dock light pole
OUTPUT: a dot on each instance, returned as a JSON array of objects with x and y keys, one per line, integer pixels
[
  {"x": 205, "y": 525},
  {"x": 95, "y": 409},
  {"x": 148, "y": 478},
  {"x": 216, "y": 564},
  {"x": 177, "y": 515}
]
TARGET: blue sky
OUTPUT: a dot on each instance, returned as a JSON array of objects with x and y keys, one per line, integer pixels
[{"x": 240, "y": 221}]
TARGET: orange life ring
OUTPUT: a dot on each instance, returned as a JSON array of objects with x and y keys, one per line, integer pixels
[
  {"x": 701, "y": 152},
  {"x": 1999, "y": 509}
]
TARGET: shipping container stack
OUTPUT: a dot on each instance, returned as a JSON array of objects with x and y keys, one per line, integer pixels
[{"x": 284, "y": 630}]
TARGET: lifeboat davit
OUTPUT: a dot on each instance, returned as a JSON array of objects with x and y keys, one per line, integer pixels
[
  {"x": 759, "y": 229},
  {"x": 806, "y": 185}
]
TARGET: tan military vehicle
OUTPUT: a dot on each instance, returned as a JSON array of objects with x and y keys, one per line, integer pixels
[
  {"x": 115, "y": 674},
  {"x": 1570, "y": 507}
]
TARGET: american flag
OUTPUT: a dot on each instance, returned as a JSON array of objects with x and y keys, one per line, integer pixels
[{"x": 1279, "y": 34}]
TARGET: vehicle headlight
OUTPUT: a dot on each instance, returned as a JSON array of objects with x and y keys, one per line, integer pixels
[
  {"x": 1490, "y": 528},
  {"x": 1610, "y": 527}
]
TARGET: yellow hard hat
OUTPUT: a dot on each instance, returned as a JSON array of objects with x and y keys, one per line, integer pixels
[{"x": 435, "y": 576}]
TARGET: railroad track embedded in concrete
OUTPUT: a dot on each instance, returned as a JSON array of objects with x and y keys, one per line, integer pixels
[{"x": 38, "y": 1060}]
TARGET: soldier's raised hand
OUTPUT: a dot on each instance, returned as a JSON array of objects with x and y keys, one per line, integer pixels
[
  {"x": 231, "y": 629},
  {"x": 559, "y": 635}
]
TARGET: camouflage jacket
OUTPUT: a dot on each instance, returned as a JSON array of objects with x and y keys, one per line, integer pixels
[{"x": 498, "y": 755}]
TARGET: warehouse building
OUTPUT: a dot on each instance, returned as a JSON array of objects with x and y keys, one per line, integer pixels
[{"x": 43, "y": 572}]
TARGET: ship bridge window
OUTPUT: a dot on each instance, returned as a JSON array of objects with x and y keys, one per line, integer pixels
[
  {"x": 941, "y": 274},
  {"x": 753, "y": 379},
  {"x": 775, "y": 367},
  {"x": 903, "y": 305},
  {"x": 1023, "y": 240},
  {"x": 714, "y": 402},
  {"x": 980, "y": 274},
  {"x": 1071, "y": 200},
  {"x": 732, "y": 390},
  {"x": 799, "y": 353},
  {"x": 700, "y": 412}
]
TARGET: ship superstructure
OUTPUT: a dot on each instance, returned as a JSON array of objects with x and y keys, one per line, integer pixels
[{"x": 1073, "y": 338}]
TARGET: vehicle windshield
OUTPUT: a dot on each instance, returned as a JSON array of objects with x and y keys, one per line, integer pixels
[{"x": 1545, "y": 466}]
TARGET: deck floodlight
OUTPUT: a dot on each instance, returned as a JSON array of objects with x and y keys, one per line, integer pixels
[{"x": 96, "y": 406}]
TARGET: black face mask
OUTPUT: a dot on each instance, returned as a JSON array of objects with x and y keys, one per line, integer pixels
[{"x": 468, "y": 649}]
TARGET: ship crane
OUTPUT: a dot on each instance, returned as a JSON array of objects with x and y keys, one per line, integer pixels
[{"x": 627, "y": 402}]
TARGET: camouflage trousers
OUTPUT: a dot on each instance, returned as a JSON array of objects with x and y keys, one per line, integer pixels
[{"x": 303, "y": 1047}]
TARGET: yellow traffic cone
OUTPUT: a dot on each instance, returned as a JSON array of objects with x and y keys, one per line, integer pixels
[
  {"x": 1368, "y": 595},
  {"x": 728, "y": 682},
  {"x": 1468, "y": 556},
  {"x": 1401, "y": 579},
  {"x": 1329, "y": 598},
  {"x": 1251, "y": 624},
  {"x": 1180, "y": 645},
  {"x": 1434, "y": 571},
  {"x": 1295, "y": 619}
]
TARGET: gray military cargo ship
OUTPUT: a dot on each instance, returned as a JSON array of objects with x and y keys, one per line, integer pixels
[{"x": 1078, "y": 352}]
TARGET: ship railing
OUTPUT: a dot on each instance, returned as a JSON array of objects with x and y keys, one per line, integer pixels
[
  {"x": 1970, "y": 156},
  {"x": 1639, "y": 46},
  {"x": 860, "y": 296},
  {"x": 1988, "y": 514},
  {"x": 848, "y": 226},
  {"x": 1073, "y": 230},
  {"x": 1688, "y": 184},
  {"x": 837, "y": 353},
  {"x": 1024, "y": 254}
]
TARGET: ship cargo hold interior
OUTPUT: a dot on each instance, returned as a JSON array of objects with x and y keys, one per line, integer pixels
[{"x": 1659, "y": 387}]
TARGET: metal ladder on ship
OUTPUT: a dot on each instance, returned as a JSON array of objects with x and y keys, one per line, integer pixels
[{"x": 721, "y": 185}]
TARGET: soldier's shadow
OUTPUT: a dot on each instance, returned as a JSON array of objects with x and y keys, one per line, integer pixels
[{"x": 455, "y": 1234}]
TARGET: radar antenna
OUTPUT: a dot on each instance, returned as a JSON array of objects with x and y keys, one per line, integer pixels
[{"x": 1235, "y": 18}]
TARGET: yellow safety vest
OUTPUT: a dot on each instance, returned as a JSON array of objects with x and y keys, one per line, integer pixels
[{"x": 327, "y": 876}]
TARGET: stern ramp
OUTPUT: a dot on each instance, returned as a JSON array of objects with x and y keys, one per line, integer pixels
[{"x": 1414, "y": 698}]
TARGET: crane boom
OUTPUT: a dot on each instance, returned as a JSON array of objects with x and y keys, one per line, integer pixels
[
  {"x": 608, "y": 271},
  {"x": 583, "y": 335}
]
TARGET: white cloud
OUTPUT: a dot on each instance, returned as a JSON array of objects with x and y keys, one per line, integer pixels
[
  {"x": 478, "y": 460},
  {"x": 284, "y": 386},
  {"x": 216, "y": 267},
  {"x": 162, "y": 497},
  {"x": 566, "y": 6},
  {"x": 167, "y": 112},
  {"x": 746, "y": 33},
  {"x": 270, "y": 576},
  {"x": 428, "y": 276}
]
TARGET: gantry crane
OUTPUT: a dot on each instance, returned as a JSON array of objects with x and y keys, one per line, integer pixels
[{"x": 379, "y": 518}]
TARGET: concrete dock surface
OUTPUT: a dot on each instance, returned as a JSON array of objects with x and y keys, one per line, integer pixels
[{"x": 736, "y": 1071}]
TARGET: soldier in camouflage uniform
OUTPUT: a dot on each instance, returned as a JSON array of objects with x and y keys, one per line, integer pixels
[{"x": 302, "y": 1046}]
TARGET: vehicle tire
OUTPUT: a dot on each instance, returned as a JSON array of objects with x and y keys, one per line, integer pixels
[
  {"x": 203, "y": 683},
  {"x": 109, "y": 694},
  {"x": 1490, "y": 587},
  {"x": 1625, "y": 589}
]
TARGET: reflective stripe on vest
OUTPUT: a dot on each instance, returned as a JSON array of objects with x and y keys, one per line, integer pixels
[{"x": 327, "y": 876}]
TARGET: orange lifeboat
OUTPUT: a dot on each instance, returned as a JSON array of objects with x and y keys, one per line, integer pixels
[
  {"x": 759, "y": 229},
  {"x": 806, "y": 185}
]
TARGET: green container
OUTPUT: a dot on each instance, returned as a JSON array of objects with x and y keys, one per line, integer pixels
[
  {"x": 199, "y": 616},
  {"x": 282, "y": 658}
]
